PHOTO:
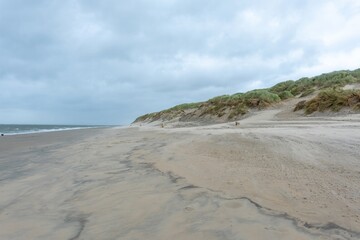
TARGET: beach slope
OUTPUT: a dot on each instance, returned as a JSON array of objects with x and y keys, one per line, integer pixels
[{"x": 267, "y": 178}]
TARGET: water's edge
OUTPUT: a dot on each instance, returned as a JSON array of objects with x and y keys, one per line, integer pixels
[{"x": 19, "y": 129}]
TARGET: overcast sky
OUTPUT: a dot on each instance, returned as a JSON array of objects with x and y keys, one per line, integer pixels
[{"x": 106, "y": 62}]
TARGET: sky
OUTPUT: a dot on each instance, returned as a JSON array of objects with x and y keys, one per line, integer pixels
[{"x": 109, "y": 61}]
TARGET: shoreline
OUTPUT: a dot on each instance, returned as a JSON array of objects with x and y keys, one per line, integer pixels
[
  {"x": 3, "y": 134},
  {"x": 263, "y": 179}
]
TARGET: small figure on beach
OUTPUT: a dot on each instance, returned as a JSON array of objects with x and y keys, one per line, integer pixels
[
  {"x": 162, "y": 125},
  {"x": 237, "y": 123},
  {"x": 2, "y": 135}
]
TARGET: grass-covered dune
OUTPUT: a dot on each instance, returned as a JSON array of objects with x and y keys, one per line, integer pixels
[
  {"x": 331, "y": 99},
  {"x": 327, "y": 88}
]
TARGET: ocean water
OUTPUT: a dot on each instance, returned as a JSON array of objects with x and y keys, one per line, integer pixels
[{"x": 14, "y": 129}]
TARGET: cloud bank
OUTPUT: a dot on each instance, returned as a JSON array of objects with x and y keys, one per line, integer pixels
[{"x": 106, "y": 62}]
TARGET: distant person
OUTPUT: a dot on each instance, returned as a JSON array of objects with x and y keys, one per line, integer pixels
[{"x": 2, "y": 134}]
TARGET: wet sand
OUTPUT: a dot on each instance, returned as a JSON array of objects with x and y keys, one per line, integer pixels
[{"x": 265, "y": 179}]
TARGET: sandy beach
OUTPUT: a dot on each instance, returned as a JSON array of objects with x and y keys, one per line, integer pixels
[{"x": 271, "y": 177}]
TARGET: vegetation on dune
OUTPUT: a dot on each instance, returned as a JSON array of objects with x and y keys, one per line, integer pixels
[
  {"x": 144, "y": 117},
  {"x": 306, "y": 86},
  {"x": 232, "y": 106},
  {"x": 219, "y": 106},
  {"x": 281, "y": 87},
  {"x": 262, "y": 95},
  {"x": 184, "y": 106},
  {"x": 239, "y": 103},
  {"x": 285, "y": 95},
  {"x": 331, "y": 99},
  {"x": 171, "y": 112},
  {"x": 308, "y": 92}
]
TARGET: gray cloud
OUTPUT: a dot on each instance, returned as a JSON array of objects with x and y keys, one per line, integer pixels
[{"x": 101, "y": 62}]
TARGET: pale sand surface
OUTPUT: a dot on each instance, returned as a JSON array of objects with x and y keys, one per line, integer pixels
[{"x": 269, "y": 178}]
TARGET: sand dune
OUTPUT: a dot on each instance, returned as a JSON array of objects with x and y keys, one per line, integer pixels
[{"x": 269, "y": 178}]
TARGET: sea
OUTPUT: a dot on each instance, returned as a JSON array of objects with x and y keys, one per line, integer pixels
[{"x": 14, "y": 129}]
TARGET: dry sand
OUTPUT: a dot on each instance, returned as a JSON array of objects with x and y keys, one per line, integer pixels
[{"x": 276, "y": 176}]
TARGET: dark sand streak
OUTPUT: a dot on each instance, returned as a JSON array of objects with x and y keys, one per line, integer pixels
[
  {"x": 328, "y": 228},
  {"x": 81, "y": 220}
]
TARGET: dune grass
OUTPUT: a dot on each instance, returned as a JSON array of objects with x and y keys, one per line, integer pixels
[
  {"x": 184, "y": 106},
  {"x": 330, "y": 97},
  {"x": 306, "y": 86},
  {"x": 169, "y": 113},
  {"x": 239, "y": 103}
]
